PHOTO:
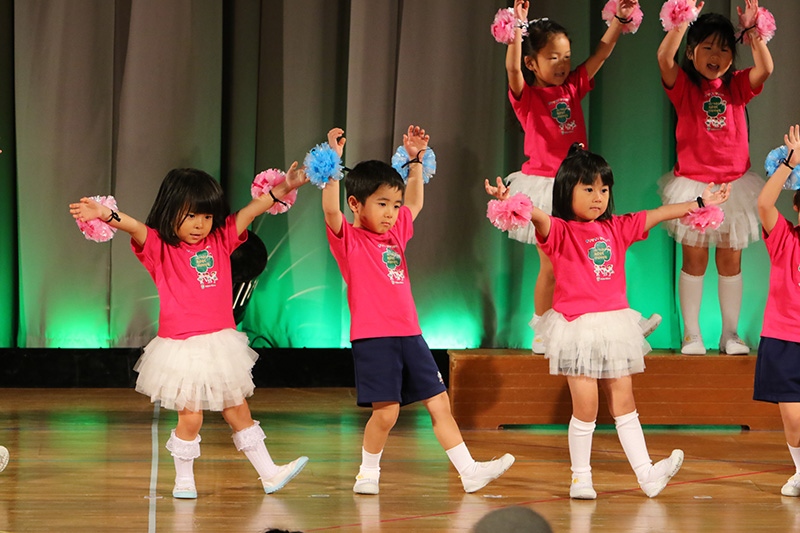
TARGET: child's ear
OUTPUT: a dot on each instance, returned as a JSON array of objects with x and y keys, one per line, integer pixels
[
  {"x": 352, "y": 203},
  {"x": 530, "y": 63},
  {"x": 689, "y": 53}
]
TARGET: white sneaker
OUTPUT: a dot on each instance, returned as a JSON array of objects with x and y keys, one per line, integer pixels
[
  {"x": 693, "y": 345},
  {"x": 284, "y": 475},
  {"x": 184, "y": 489},
  {"x": 3, "y": 458},
  {"x": 581, "y": 489},
  {"x": 538, "y": 345},
  {"x": 792, "y": 487},
  {"x": 649, "y": 325},
  {"x": 366, "y": 484},
  {"x": 486, "y": 472},
  {"x": 661, "y": 472},
  {"x": 733, "y": 346}
]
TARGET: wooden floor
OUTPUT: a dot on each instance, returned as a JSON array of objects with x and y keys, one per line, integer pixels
[{"x": 81, "y": 461}]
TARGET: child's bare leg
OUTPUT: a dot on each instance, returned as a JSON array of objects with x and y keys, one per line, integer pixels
[
  {"x": 474, "y": 475},
  {"x": 189, "y": 424},
  {"x": 238, "y": 417},
  {"x": 384, "y": 416}
]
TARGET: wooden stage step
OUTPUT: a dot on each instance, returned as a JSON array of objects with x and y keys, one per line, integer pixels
[{"x": 498, "y": 387}]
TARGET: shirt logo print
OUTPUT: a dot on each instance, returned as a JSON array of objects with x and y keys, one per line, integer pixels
[
  {"x": 714, "y": 109},
  {"x": 203, "y": 262},
  {"x": 562, "y": 114},
  {"x": 393, "y": 260},
  {"x": 600, "y": 255}
]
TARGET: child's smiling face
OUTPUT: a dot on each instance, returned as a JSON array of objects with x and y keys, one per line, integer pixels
[
  {"x": 711, "y": 58},
  {"x": 552, "y": 63}
]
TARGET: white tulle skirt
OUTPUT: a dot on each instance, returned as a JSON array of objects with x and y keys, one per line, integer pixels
[
  {"x": 540, "y": 190},
  {"x": 596, "y": 345},
  {"x": 741, "y": 225},
  {"x": 204, "y": 372}
]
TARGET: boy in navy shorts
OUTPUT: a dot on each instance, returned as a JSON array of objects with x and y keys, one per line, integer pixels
[{"x": 393, "y": 364}]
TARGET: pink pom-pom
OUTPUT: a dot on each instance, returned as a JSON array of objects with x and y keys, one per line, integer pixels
[
  {"x": 765, "y": 26},
  {"x": 703, "y": 218},
  {"x": 512, "y": 213},
  {"x": 264, "y": 182},
  {"x": 97, "y": 230},
  {"x": 676, "y": 12},
  {"x": 503, "y": 26},
  {"x": 610, "y": 11}
]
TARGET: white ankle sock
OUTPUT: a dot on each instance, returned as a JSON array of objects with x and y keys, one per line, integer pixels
[
  {"x": 461, "y": 458},
  {"x": 730, "y": 303},
  {"x": 795, "y": 457},
  {"x": 579, "y": 436},
  {"x": 370, "y": 463},
  {"x": 183, "y": 452},
  {"x": 690, "y": 291},
  {"x": 631, "y": 436}
]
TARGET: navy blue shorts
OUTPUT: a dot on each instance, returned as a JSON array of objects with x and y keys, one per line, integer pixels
[
  {"x": 395, "y": 369},
  {"x": 777, "y": 378}
]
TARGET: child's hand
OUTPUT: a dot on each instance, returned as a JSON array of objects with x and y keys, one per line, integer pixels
[
  {"x": 749, "y": 15},
  {"x": 716, "y": 197},
  {"x": 500, "y": 192},
  {"x": 296, "y": 177},
  {"x": 625, "y": 8},
  {"x": 792, "y": 142},
  {"x": 521, "y": 9},
  {"x": 85, "y": 210},
  {"x": 415, "y": 141},
  {"x": 336, "y": 140}
]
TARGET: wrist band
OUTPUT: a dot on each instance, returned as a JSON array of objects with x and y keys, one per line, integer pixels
[
  {"x": 114, "y": 216},
  {"x": 415, "y": 160},
  {"x": 700, "y": 202},
  {"x": 622, "y": 20},
  {"x": 272, "y": 195}
]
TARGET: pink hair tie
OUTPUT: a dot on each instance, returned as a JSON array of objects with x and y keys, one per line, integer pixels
[
  {"x": 511, "y": 213},
  {"x": 264, "y": 182},
  {"x": 704, "y": 218},
  {"x": 676, "y": 12},
  {"x": 764, "y": 25},
  {"x": 629, "y": 25},
  {"x": 504, "y": 24},
  {"x": 98, "y": 230}
]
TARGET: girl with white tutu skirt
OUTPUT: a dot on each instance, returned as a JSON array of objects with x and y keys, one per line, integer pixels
[
  {"x": 546, "y": 95},
  {"x": 591, "y": 334},
  {"x": 709, "y": 97},
  {"x": 198, "y": 361}
]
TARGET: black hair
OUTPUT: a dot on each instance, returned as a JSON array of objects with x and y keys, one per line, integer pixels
[
  {"x": 580, "y": 166},
  {"x": 367, "y": 177},
  {"x": 540, "y": 32},
  {"x": 709, "y": 25},
  {"x": 796, "y": 200},
  {"x": 184, "y": 191}
]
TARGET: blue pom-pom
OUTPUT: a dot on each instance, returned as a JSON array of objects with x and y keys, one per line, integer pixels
[
  {"x": 774, "y": 160},
  {"x": 323, "y": 164},
  {"x": 400, "y": 163}
]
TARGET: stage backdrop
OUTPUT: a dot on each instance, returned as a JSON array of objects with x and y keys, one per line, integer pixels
[{"x": 104, "y": 97}]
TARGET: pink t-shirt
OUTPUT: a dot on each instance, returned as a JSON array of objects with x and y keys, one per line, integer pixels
[
  {"x": 194, "y": 282},
  {"x": 782, "y": 314},
  {"x": 589, "y": 262},
  {"x": 552, "y": 118},
  {"x": 711, "y": 134},
  {"x": 378, "y": 288}
]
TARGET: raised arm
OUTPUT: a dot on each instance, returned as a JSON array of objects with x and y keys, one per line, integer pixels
[
  {"x": 540, "y": 219},
  {"x": 767, "y": 212},
  {"x": 295, "y": 177},
  {"x": 610, "y": 37},
  {"x": 516, "y": 81},
  {"x": 415, "y": 141},
  {"x": 87, "y": 209},
  {"x": 762, "y": 59},
  {"x": 671, "y": 211},
  {"x": 330, "y": 194},
  {"x": 669, "y": 48}
]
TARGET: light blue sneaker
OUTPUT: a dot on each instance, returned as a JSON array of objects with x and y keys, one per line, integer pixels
[
  {"x": 184, "y": 490},
  {"x": 284, "y": 475}
]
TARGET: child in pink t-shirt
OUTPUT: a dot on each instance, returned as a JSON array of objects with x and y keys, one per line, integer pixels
[
  {"x": 198, "y": 361},
  {"x": 709, "y": 97},
  {"x": 393, "y": 364},
  {"x": 546, "y": 95},
  {"x": 777, "y": 376},
  {"x": 590, "y": 333}
]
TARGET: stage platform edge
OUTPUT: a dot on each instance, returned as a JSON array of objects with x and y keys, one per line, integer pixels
[{"x": 491, "y": 388}]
